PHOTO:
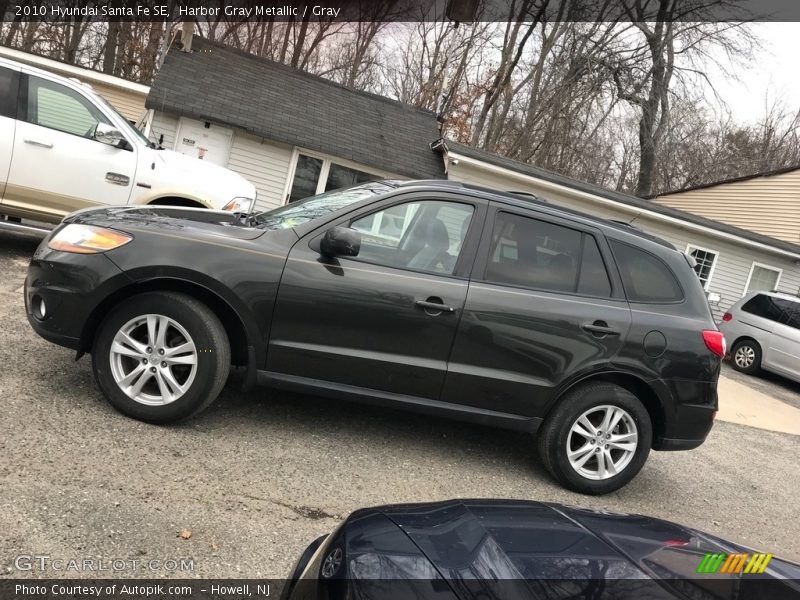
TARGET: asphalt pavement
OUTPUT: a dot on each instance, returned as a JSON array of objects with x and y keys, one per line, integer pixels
[{"x": 244, "y": 487}]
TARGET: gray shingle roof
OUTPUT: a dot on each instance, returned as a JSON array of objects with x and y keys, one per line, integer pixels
[
  {"x": 634, "y": 201},
  {"x": 279, "y": 103}
]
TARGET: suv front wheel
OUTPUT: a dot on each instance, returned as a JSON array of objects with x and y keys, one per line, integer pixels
[
  {"x": 596, "y": 439},
  {"x": 161, "y": 357}
]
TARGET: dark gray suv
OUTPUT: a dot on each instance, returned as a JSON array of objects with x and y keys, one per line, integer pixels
[{"x": 433, "y": 296}]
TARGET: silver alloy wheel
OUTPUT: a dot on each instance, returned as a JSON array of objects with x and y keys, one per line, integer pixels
[
  {"x": 602, "y": 442},
  {"x": 153, "y": 359},
  {"x": 745, "y": 356}
]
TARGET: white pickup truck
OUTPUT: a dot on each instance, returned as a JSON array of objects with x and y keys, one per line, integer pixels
[{"x": 63, "y": 148}]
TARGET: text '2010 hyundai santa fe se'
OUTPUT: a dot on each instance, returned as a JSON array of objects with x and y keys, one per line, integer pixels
[{"x": 434, "y": 296}]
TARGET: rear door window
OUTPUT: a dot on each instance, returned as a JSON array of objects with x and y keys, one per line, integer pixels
[
  {"x": 593, "y": 277},
  {"x": 764, "y": 306},
  {"x": 541, "y": 255},
  {"x": 646, "y": 277},
  {"x": 791, "y": 312}
]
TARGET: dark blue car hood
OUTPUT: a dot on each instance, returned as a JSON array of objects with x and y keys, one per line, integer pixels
[{"x": 518, "y": 549}]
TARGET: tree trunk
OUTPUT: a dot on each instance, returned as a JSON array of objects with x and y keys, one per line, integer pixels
[{"x": 110, "y": 50}]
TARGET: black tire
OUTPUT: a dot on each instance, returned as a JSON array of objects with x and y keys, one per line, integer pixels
[
  {"x": 553, "y": 436},
  {"x": 212, "y": 355},
  {"x": 740, "y": 362}
]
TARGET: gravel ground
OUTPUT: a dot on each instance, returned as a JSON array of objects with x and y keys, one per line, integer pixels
[{"x": 259, "y": 475}]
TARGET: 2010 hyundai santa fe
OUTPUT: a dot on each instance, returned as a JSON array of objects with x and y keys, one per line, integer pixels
[{"x": 435, "y": 296}]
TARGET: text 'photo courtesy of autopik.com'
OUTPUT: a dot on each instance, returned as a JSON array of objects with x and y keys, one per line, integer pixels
[{"x": 399, "y": 300}]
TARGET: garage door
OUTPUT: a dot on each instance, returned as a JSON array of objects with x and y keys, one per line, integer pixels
[{"x": 204, "y": 140}]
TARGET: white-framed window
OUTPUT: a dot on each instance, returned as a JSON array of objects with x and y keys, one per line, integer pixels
[
  {"x": 706, "y": 262},
  {"x": 762, "y": 278},
  {"x": 312, "y": 173}
]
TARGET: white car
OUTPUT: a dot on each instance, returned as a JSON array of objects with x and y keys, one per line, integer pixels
[{"x": 63, "y": 148}]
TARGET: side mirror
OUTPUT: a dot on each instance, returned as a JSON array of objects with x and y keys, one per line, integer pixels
[
  {"x": 340, "y": 241},
  {"x": 108, "y": 135}
]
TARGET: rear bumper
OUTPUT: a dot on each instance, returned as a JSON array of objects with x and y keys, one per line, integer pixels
[
  {"x": 673, "y": 444},
  {"x": 688, "y": 419}
]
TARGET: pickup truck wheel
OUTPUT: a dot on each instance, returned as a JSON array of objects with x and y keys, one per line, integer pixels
[
  {"x": 161, "y": 357},
  {"x": 597, "y": 439}
]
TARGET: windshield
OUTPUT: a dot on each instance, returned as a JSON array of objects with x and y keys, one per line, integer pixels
[
  {"x": 292, "y": 215},
  {"x": 128, "y": 127}
]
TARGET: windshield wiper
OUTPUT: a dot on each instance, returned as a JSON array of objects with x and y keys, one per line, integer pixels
[{"x": 247, "y": 219}]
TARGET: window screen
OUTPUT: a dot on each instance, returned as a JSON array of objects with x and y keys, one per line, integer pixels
[
  {"x": 646, "y": 278},
  {"x": 763, "y": 279},
  {"x": 545, "y": 256},
  {"x": 763, "y": 306}
]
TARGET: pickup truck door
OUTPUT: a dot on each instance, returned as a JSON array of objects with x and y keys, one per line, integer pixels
[
  {"x": 9, "y": 82},
  {"x": 57, "y": 167}
]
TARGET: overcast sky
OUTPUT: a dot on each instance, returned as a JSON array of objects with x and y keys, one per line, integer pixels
[{"x": 774, "y": 73}]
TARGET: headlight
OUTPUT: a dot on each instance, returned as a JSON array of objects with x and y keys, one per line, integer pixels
[
  {"x": 87, "y": 239},
  {"x": 240, "y": 204}
]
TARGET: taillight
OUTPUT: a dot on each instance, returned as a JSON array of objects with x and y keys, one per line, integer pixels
[
  {"x": 715, "y": 342},
  {"x": 727, "y": 317}
]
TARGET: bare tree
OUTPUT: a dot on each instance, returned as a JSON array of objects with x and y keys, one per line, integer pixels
[{"x": 660, "y": 48}]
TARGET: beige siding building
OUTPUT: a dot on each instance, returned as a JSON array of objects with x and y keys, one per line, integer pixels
[{"x": 768, "y": 203}]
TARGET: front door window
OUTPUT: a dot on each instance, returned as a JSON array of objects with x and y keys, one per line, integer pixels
[{"x": 423, "y": 236}]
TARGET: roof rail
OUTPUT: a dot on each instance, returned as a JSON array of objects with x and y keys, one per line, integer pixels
[
  {"x": 626, "y": 224},
  {"x": 528, "y": 194}
]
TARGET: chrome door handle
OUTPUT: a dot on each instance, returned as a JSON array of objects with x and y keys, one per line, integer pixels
[
  {"x": 38, "y": 143},
  {"x": 600, "y": 328},
  {"x": 434, "y": 306}
]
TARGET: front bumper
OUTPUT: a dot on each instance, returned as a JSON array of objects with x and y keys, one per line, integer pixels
[{"x": 71, "y": 286}]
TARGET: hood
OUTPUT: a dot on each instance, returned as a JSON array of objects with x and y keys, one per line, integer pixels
[
  {"x": 195, "y": 222},
  {"x": 509, "y": 549},
  {"x": 219, "y": 183}
]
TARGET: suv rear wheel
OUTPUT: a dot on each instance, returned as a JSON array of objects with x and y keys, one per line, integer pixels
[
  {"x": 746, "y": 356},
  {"x": 161, "y": 357},
  {"x": 597, "y": 439}
]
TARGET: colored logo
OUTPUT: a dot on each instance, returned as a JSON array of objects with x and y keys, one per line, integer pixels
[{"x": 722, "y": 562}]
